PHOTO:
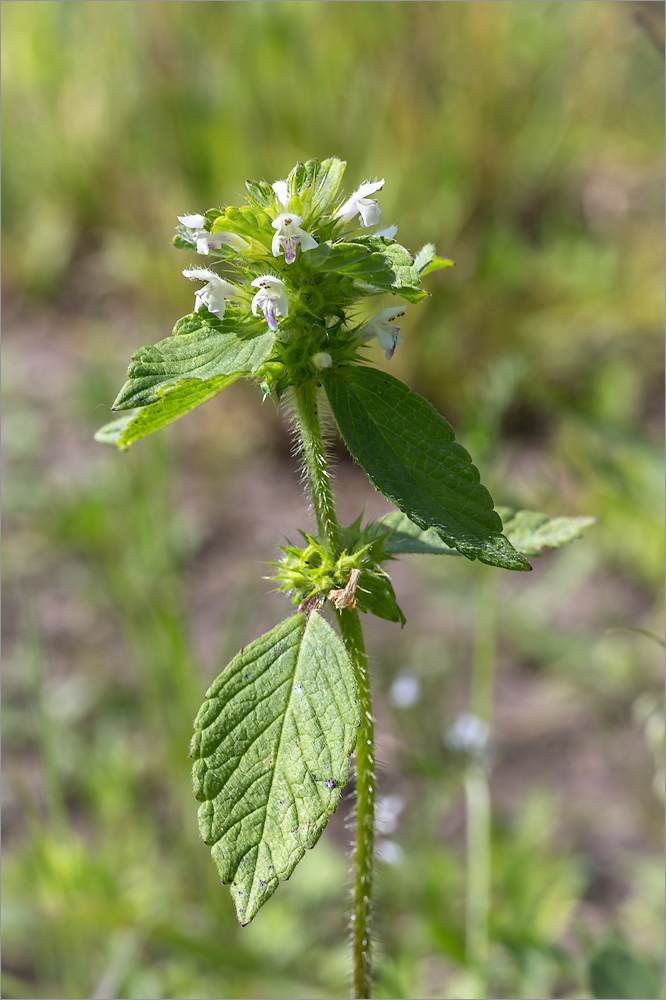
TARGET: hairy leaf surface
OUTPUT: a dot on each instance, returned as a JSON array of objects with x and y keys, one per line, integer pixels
[
  {"x": 200, "y": 347},
  {"x": 272, "y": 744},
  {"x": 409, "y": 452}
]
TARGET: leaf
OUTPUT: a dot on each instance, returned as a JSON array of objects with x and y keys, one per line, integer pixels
[
  {"x": 272, "y": 744},
  {"x": 249, "y": 221},
  {"x": 260, "y": 192},
  {"x": 201, "y": 347},
  {"x": 375, "y": 596},
  {"x": 342, "y": 258},
  {"x": 316, "y": 184},
  {"x": 405, "y": 536},
  {"x": 616, "y": 973},
  {"x": 527, "y": 531},
  {"x": 172, "y": 401},
  {"x": 409, "y": 452},
  {"x": 531, "y": 532},
  {"x": 426, "y": 260}
]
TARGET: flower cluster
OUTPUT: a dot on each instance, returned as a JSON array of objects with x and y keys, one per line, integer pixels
[{"x": 306, "y": 259}]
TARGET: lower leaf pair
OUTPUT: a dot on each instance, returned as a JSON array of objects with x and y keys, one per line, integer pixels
[{"x": 272, "y": 745}]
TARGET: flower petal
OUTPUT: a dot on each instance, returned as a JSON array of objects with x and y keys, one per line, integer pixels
[{"x": 192, "y": 221}]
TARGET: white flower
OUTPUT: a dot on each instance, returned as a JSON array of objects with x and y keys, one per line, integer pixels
[
  {"x": 383, "y": 328},
  {"x": 281, "y": 192},
  {"x": 271, "y": 299},
  {"x": 211, "y": 241},
  {"x": 288, "y": 236},
  {"x": 359, "y": 202},
  {"x": 214, "y": 292},
  {"x": 388, "y": 231},
  {"x": 192, "y": 221},
  {"x": 322, "y": 359}
]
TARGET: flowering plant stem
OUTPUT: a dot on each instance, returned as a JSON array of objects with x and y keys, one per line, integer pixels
[{"x": 351, "y": 630}]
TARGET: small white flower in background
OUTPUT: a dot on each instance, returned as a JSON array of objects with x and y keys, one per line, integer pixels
[
  {"x": 322, "y": 359},
  {"x": 383, "y": 327},
  {"x": 405, "y": 690},
  {"x": 387, "y": 811},
  {"x": 360, "y": 203},
  {"x": 388, "y": 231},
  {"x": 289, "y": 235},
  {"x": 389, "y": 852},
  {"x": 281, "y": 192},
  {"x": 271, "y": 299},
  {"x": 211, "y": 241},
  {"x": 468, "y": 734},
  {"x": 214, "y": 292}
]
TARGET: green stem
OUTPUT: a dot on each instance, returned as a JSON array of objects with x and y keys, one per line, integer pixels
[
  {"x": 314, "y": 453},
  {"x": 352, "y": 634},
  {"x": 477, "y": 802},
  {"x": 477, "y": 788}
]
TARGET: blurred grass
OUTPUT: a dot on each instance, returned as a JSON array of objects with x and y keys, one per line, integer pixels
[{"x": 526, "y": 139}]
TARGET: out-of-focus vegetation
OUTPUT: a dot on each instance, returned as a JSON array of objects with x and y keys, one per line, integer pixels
[{"x": 526, "y": 140}]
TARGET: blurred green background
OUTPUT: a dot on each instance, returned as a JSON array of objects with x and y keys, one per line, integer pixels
[{"x": 526, "y": 140}]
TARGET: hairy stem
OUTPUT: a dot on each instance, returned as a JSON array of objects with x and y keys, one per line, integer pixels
[
  {"x": 352, "y": 634},
  {"x": 314, "y": 453}
]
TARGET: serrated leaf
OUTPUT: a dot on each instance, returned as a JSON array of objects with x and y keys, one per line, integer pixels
[
  {"x": 616, "y": 973},
  {"x": 528, "y": 531},
  {"x": 172, "y": 401},
  {"x": 405, "y": 536},
  {"x": 272, "y": 744},
  {"x": 531, "y": 532},
  {"x": 202, "y": 347},
  {"x": 409, "y": 452}
]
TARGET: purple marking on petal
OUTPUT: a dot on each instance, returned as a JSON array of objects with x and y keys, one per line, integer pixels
[
  {"x": 268, "y": 307},
  {"x": 289, "y": 244}
]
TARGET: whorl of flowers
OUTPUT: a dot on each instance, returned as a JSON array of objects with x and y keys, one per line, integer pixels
[{"x": 302, "y": 258}]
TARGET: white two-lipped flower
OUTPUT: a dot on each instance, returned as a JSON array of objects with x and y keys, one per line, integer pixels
[
  {"x": 359, "y": 203},
  {"x": 385, "y": 329},
  {"x": 271, "y": 299},
  {"x": 210, "y": 241},
  {"x": 214, "y": 292},
  {"x": 289, "y": 235}
]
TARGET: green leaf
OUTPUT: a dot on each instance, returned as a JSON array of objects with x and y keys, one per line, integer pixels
[
  {"x": 260, "y": 192},
  {"x": 201, "y": 347},
  {"x": 405, "y": 536},
  {"x": 314, "y": 186},
  {"x": 343, "y": 258},
  {"x": 272, "y": 744},
  {"x": 531, "y": 532},
  {"x": 427, "y": 261},
  {"x": 375, "y": 596},
  {"x": 249, "y": 221},
  {"x": 172, "y": 401},
  {"x": 409, "y": 452},
  {"x": 616, "y": 973},
  {"x": 527, "y": 531}
]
